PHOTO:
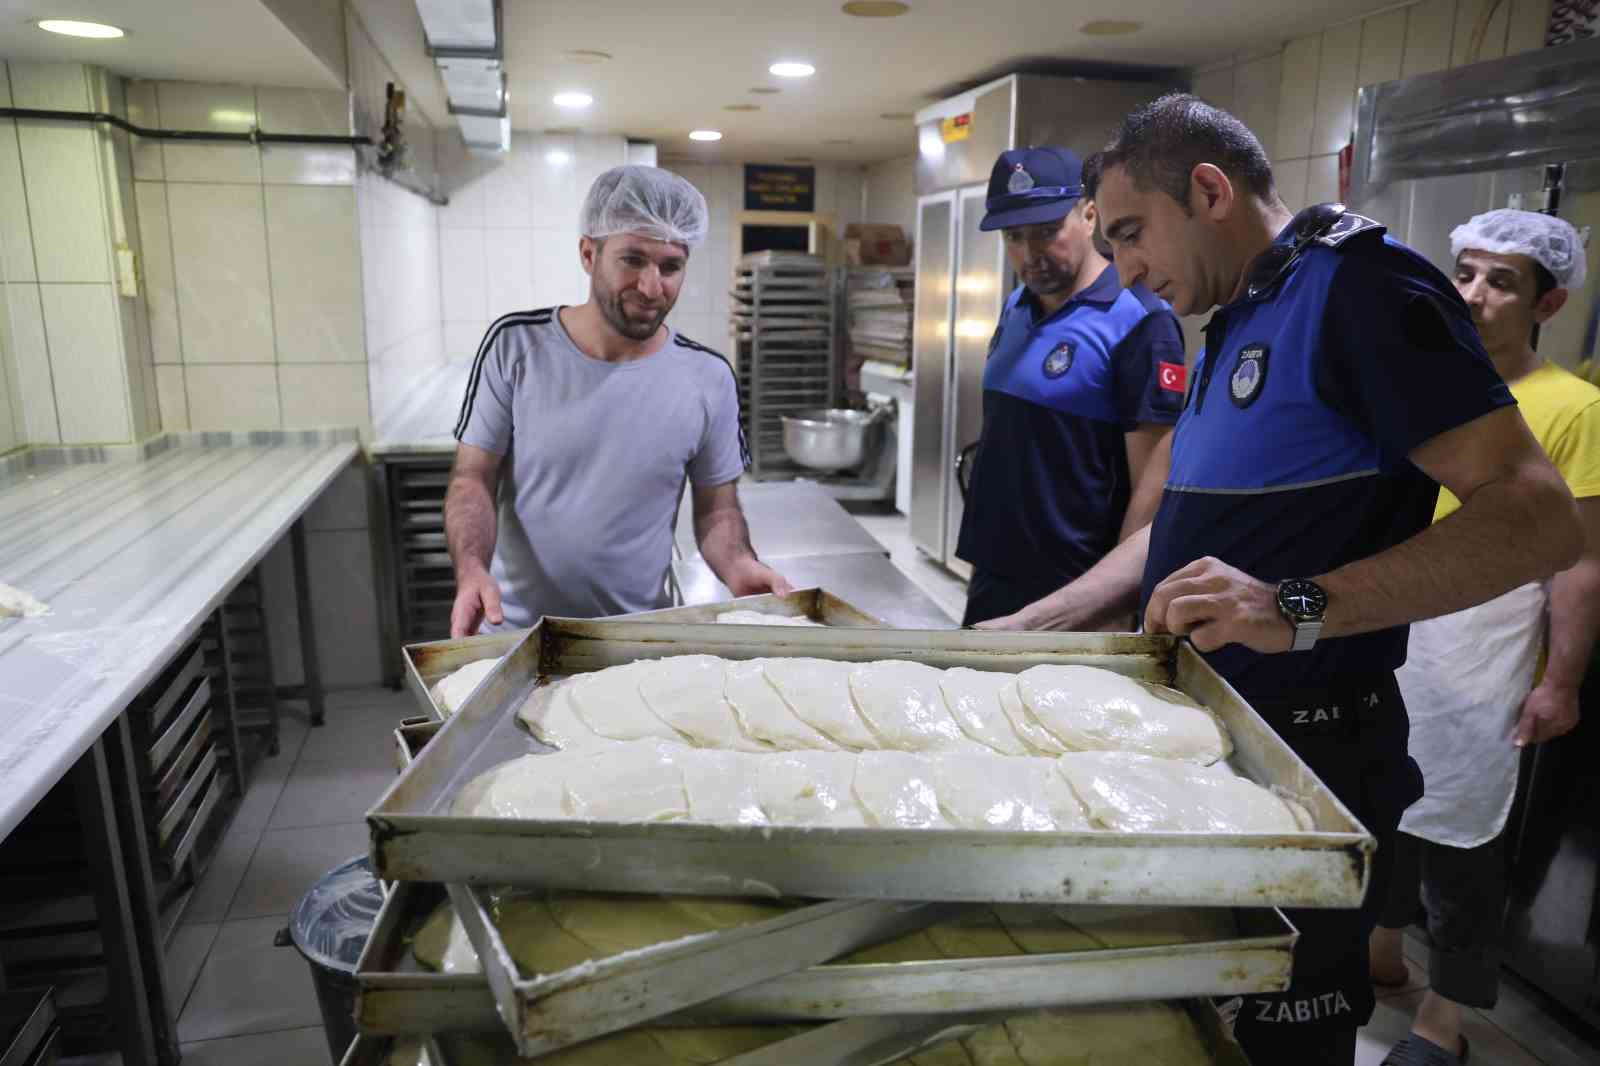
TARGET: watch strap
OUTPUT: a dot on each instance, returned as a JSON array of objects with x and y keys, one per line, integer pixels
[{"x": 1305, "y": 635}]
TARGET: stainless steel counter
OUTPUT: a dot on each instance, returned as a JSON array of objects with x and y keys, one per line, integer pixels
[
  {"x": 867, "y": 580},
  {"x": 787, "y": 519},
  {"x": 132, "y": 549},
  {"x": 423, "y": 419}
]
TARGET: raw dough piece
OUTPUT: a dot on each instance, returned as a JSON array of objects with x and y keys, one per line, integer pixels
[
  {"x": 818, "y": 692},
  {"x": 705, "y": 1047},
  {"x": 896, "y": 790},
  {"x": 1042, "y": 930},
  {"x": 551, "y": 717},
  {"x": 442, "y": 944},
  {"x": 533, "y": 786},
  {"x": 722, "y": 788},
  {"x": 997, "y": 792},
  {"x": 1089, "y": 709},
  {"x": 903, "y": 706},
  {"x": 1140, "y": 793},
  {"x": 973, "y": 699},
  {"x": 613, "y": 924},
  {"x": 762, "y": 618},
  {"x": 913, "y": 947},
  {"x": 1034, "y": 735},
  {"x": 979, "y": 934},
  {"x": 1150, "y": 1034},
  {"x": 991, "y": 1046},
  {"x": 640, "y": 782},
  {"x": 686, "y": 692},
  {"x": 762, "y": 712},
  {"x": 809, "y": 788},
  {"x": 949, "y": 1053},
  {"x": 609, "y": 703},
  {"x": 534, "y": 938},
  {"x": 454, "y": 689},
  {"x": 16, "y": 603},
  {"x": 1140, "y": 927}
]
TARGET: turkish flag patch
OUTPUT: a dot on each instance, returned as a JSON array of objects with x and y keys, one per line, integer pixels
[{"x": 1173, "y": 377}]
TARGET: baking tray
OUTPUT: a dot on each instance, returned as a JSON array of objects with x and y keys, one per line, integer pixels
[
  {"x": 413, "y": 838},
  {"x": 854, "y": 1042},
  {"x": 428, "y": 662},
  {"x": 397, "y": 996}
]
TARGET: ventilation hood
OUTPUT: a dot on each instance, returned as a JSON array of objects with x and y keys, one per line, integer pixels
[{"x": 465, "y": 41}]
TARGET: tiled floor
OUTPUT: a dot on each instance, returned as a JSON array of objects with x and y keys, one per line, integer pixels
[{"x": 246, "y": 1002}]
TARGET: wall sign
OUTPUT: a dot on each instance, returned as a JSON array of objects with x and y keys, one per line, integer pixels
[
  {"x": 773, "y": 188},
  {"x": 958, "y": 128}
]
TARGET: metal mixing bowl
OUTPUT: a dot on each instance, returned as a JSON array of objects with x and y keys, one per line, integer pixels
[{"x": 833, "y": 439}]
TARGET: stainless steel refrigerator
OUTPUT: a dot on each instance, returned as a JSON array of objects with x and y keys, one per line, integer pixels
[{"x": 962, "y": 276}]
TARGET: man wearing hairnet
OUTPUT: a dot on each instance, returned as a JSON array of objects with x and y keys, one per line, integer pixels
[
  {"x": 586, "y": 421},
  {"x": 1472, "y": 682}
]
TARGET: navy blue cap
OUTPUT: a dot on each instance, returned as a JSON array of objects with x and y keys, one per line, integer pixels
[{"x": 1032, "y": 185}]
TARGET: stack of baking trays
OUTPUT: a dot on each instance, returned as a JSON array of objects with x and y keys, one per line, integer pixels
[{"x": 635, "y": 893}]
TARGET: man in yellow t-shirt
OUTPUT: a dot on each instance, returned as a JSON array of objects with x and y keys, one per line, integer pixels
[{"x": 1471, "y": 681}]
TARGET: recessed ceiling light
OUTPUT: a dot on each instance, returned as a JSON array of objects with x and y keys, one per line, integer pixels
[
  {"x": 572, "y": 101},
  {"x": 705, "y": 135},
  {"x": 791, "y": 68},
  {"x": 897, "y": 116},
  {"x": 875, "y": 9},
  {"x": 557, "y": 157},
  {"x": 741, "y": 107},
  {"x": 71, "y": 28},
  {"x": 587, "y": 56},
  {"x": 1111, "y": 27},
  {"x": 766, "y": 90}
]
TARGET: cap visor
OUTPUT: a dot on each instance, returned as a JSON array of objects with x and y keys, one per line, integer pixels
[{"x": 1031, "y": 215}]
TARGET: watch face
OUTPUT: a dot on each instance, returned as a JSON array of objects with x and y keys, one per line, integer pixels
[{"x": 1303, "y": 600}]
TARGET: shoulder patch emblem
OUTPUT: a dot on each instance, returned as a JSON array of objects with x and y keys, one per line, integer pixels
[
  {"x": 1350, "y": 225},
  {"x": 1249, "y": 375},
  {"x": 1059, "y": 360}
]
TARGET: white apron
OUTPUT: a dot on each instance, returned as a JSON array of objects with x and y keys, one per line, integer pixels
[{"x": 1464, "y": 681}]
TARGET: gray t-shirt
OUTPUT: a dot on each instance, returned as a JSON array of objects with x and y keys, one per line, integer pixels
[{"x": 596, "y": 455}]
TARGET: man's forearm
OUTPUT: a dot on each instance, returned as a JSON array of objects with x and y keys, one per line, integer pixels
[
  {"x": 724, "y": 539},
  {"x": 1107, "y": 592},
  {"x": 1459, "y": 562},
  {"x": 1574, "y": 622},
  {"x": 470, "y": 524}
]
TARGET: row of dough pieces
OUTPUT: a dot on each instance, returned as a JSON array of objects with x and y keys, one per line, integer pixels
[
  {"x": 452, "y": 690},
  {"x": 655, "y": 781},
  {"x": 806, "y": 704},
  {"x": 547, "y": 934},
  {"x": 1149, "y": 1034}
]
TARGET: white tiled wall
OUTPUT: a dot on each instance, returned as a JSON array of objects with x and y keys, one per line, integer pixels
[
  {"x": 508, "y": 239},
  {"x": 253, "y": 261},
  {"x": 1301, "y": 100},
  {"x": 77, "y": 370},
  {"x": 400, "y": 250}
]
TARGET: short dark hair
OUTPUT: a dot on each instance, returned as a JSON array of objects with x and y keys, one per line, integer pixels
[
  {"x": 1091, "y": 174},
  {"x": 1162, "y": 142},
  {"x": 1543, "y": 281}
]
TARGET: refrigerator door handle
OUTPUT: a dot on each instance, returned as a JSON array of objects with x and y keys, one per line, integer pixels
[{"x": 963, "y": 473}]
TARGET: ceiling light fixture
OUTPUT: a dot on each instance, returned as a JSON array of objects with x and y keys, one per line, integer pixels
[
  {"x": 587, "y": 56},
  {"x": 572, "y": 101},
  {"x": 73, "y": 28},
  {"x": 875, "y": 9},
  {"x": 741, "y": 107},
  {"x": 558, "y": 157},
  {"x": 1111, "y": 27},
  {"x": 792, "y": 68},
  {"x": 705, "y": 135},
  {"x": 766, "y": 90}
]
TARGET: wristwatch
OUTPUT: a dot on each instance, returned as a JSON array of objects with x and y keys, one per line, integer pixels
[{"x": 1303, "y": 603}]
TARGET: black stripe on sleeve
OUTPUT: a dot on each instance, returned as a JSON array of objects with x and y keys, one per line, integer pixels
[
  {"x": 516, "y": 318},
  {"x": 696, "y": 346}
]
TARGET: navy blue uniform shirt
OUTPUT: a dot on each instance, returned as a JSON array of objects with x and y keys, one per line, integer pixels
[
  {"x": 1290, "y": 459},
  {"x": 1050, "y": 480}
]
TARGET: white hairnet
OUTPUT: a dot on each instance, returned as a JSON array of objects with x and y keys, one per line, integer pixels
[
  {"x": 1549, "y": 241},
  {"x": 646, "y": 201}
]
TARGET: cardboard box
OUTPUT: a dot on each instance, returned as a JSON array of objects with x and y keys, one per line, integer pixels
[{"x": 876, "y": 244}]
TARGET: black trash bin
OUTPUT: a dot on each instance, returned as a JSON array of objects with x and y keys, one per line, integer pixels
[{"x": 330, "y": 925}]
